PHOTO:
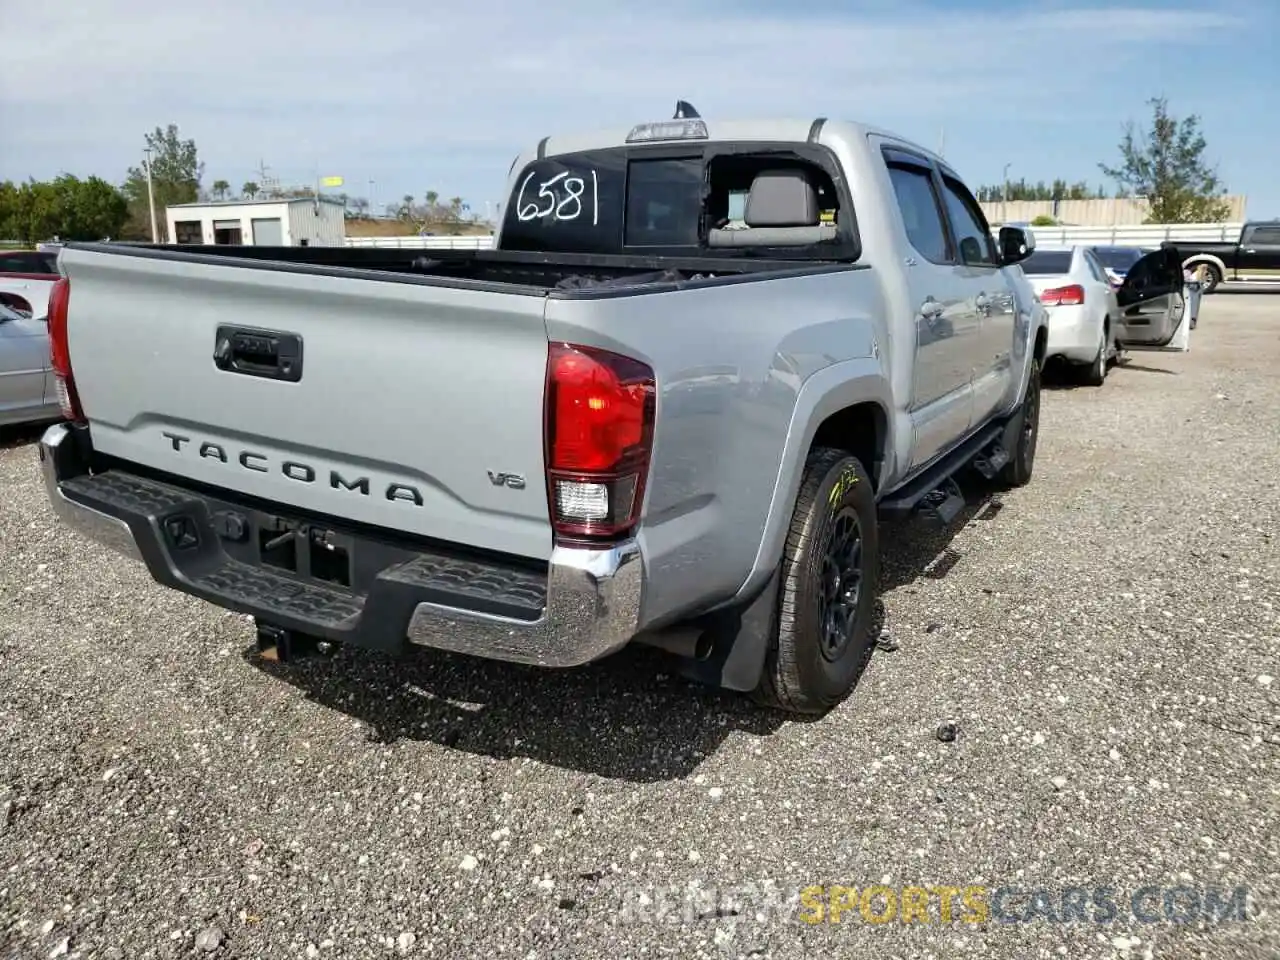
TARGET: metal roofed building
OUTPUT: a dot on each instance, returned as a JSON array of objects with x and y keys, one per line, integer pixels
[{"x": 278, "y": 222}]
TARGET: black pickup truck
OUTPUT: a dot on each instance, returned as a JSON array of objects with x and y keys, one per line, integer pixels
[{"x": 1255, "y": 256}]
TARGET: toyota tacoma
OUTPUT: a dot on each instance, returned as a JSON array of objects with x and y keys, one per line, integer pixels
[{"x": 671, "y": 407}]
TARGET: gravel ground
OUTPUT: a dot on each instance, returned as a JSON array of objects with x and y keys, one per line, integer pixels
[{"x": 1104, "y": 640}]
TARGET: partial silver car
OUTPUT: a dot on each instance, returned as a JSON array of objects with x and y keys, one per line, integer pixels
[{"x": 28, "y": 393}]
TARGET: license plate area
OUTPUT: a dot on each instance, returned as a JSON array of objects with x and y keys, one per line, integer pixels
[{"x": 305, "y": 549}]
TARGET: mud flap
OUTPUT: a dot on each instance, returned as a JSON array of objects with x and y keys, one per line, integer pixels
[{"x": 742, "y": 638}]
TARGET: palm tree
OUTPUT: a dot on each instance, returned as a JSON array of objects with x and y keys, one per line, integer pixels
[
  {"x": 220, "y": 189},
  {"x": 250, "y": 189},
  {"x": 455, "y": 208}
]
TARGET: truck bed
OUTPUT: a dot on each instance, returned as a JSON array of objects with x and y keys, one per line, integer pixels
[{"x": 402, "y": 389}]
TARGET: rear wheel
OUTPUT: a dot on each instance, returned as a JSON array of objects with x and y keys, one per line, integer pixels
[
  {"x": 1017, "y": 472},
  {"x": 1095, "y": 374},
  {"x": 1212, "y": 277},
  {"x": 829, "y": 579}
]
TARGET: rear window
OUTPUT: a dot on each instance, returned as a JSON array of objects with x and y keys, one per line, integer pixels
[
  {"x": 1118, "y": 258},
  {"x": 568, "y": 204},
  {"x": 672, "y": 199},
  {"x": 664, "y": 202},
  {"x": 1047, "y": 262},
  {"x": 28, "y": 262}
]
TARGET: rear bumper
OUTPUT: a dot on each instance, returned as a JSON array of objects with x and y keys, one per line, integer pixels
[
  {"x": 1073, "y": 334},
  {"x": 582, "y": 605}
]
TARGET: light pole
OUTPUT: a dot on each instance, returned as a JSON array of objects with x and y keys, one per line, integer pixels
[
  {"x": 1004, "y": 195},
  {"x": 151, "y": 198},
  {"x": 372, "y": 212}
]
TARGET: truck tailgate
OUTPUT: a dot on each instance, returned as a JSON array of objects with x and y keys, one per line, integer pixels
[{"x": 418, "y": 407}]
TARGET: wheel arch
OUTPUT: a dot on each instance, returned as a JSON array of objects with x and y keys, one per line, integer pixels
[
  {"x": 847, "y": 405},
  {"x": 1196, "y": 259}
]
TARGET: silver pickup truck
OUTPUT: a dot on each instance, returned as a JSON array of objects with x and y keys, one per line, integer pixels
[{"x": 669, "y": 407}]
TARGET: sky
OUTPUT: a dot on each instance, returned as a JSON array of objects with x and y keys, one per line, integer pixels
[{"x": 419, "y": 95}]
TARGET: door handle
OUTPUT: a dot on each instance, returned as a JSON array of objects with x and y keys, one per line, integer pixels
[
  {"x": 258, "y": 353},
  {"x": 931, "y": 309},
  {"x": 1251, "y": 250}
]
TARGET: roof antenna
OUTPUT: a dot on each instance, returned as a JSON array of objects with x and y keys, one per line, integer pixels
[{"x": 685, "y": 111}]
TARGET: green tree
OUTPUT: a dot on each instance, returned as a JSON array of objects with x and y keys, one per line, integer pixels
[
  {"x": 9, "y": 194},
  {"x": 1166, "y": 164},
  {"x": 1058, "y": 190},
  {"x": 250, "y": 189},
  {"x": 220, "y": 189},
  {"x": 91, "y": 209},
  {"x": 67, "y": 208},
  {"x": 176, "y": 172},
  {"x": 37, "y": 212}
]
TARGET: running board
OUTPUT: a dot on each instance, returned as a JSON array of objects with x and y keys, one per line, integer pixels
[{"x": 902, "y": 502}]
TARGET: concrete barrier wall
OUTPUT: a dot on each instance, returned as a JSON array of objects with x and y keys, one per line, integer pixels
[{"x": 1110, "y": 212}]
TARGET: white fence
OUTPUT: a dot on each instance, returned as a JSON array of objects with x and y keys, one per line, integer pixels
[
  {"x": 1139, "y": 235},
  {"x": 424, "y": 243}
]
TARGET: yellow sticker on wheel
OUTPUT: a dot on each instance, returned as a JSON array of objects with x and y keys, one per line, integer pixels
[{"x": 846, "y": 483}]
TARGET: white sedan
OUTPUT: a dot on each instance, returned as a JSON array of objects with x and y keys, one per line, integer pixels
[{"x": 1084, "y": 316}]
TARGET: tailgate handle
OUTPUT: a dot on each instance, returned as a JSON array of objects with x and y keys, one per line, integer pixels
[{"x": 259, "y": 353}]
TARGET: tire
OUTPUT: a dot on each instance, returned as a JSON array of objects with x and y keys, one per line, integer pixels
[
  {"x": 1212, "y": 277},
  {"x": 821, "y": 642},
  {"x": 1017, "y": 472},
  {"x": 1095, "y": 374}
]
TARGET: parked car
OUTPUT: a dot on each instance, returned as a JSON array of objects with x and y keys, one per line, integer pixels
[
  {"x": 625, "y": 423},
  {"x": 26, "y": 293},
  {"x": 1091, "y": 322},
  {"x": 1254, "y": 256},
  {"x": 1117, "y": 260},
  {"x": 28, "y": 392}
]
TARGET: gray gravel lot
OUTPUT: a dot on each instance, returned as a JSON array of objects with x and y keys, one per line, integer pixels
[{"x": 1104, "y": 639}]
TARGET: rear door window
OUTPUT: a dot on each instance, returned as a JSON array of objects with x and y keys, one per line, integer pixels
[
  {"x": 1095, "y": 268},
  {"x": 921, "y": 215},
  {"x": 1265, "y": 236}
]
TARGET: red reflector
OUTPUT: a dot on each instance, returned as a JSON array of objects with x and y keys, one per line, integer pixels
[
  {"x": 59, "y": 350},
  {"x": 599, "y": 433},
  {"x": 1071, "y": 296}
]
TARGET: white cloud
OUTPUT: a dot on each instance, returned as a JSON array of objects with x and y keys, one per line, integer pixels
[{"x": 419, "y": 94}]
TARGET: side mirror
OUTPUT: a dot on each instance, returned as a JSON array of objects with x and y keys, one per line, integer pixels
[{"x": 1016, "y": 244}]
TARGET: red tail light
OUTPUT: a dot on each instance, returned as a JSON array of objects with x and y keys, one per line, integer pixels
[
  {"x": 60, "y": 353},
  {"x": 1071, "y": 296},
  {"x": 599, "y": 436}
]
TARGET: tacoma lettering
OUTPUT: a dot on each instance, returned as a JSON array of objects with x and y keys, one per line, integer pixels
[
  {"x": 293, "y": 469},
  {"x": 361, "y": 484}
]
